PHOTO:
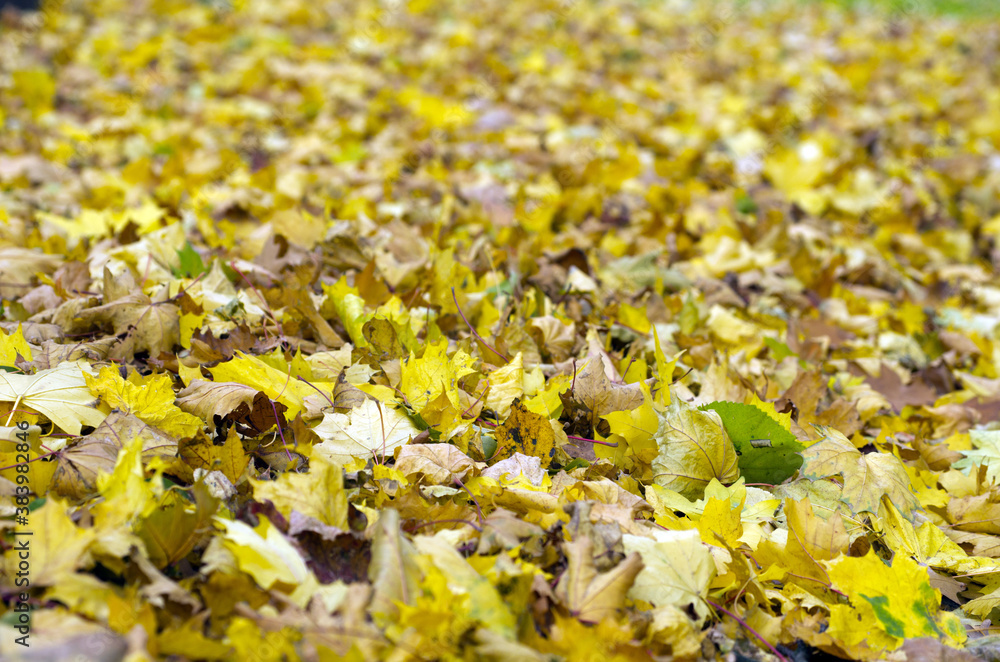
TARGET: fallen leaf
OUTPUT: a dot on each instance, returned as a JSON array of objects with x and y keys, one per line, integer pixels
[
  {"x": 677, "y": 569},
  {"x": 527, "y": 433},
  {"x": 80, "y": 464},
  {"x": 768, "y": 452},
  {"x": 369, "y": 430},
  {"x": 867, "y": 477},
  {"x": 693, "y": 449},
  {"x": 149, "y": 398},
  {"x": 318, "y": 493},
  {"x": 434, "y": 464},
  {"x": 60, "y": 394},
  {"x": 206, "y": 400},
  {"x": 888, "y": 604},
  {"x": 589, "y": 595}
]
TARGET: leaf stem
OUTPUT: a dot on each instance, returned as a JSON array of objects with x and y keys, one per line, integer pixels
[
  {"x": 592, "y": 441},
  {"x": 267, "y": 306},
  {"x": 479, "y": 511},
  {"x": 749, "y": 629},
  {"x": 40, "y": 457},
  {"x": 277, "y": 421},
  {"x": 301, "y": 379},
  {"x": 439, "y": 521}
]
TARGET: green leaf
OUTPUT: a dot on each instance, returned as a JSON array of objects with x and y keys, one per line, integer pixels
[
  {"x": 191, "y": 262},
  {"x": 779, "y": 350},
  {"x": 575, "y": 463},
  {"x": 745, "y": 204},
  {"x": 768, "y": 453}
]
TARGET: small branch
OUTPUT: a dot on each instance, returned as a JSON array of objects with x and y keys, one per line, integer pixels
[
  {"x": 182, "y": 291},
  {"x": 682, "y": 376},
  {"x": 473, "y": 330},
  {"x": 480, "y": 397}
]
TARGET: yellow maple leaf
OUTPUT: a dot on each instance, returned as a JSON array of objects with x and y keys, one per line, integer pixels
[
  {"x": 57, "y": 545},
  {"x": 423, "y": 380},
  {"x": 127, "y": 494},
  {"x": 149, "y": 398},
  {"x": 720, "y": 523},
  {"x": 867, "y": 477},
  {"x": 318, "y": 493},
  {"x": 677, "y": 568},
  {"x": 263, "y": 553},
  {"x": 11, "y": 345},
  {"x": 58, "y": 393},
  {"x": 888, "y": 604},
  {"x": 279, "y": 385},
  {"x": 512, "y": 382},
  {"x": 633, "y": 431},
  {"x": 346, "y": 301}
]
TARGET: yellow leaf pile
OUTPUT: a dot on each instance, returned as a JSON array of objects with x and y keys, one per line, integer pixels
[{"x": 409, "y": 330}]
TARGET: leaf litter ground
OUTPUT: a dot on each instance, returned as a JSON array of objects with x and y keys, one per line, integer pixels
[{"x": 510, "y": 331}]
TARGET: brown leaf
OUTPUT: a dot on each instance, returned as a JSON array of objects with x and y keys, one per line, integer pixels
[
  {"x": 253, "y": 420},
  {"x": 141, "y": 324},
  {"x": 927, "y": 649},
  {"x": 229, "y": 457},
  {"x": 209, "y": 349},
  {"x": 593, "y": 596},
  {"x": 805, "y": 393},
  {"x": 79, "y": 465},
  {"x": 916, "y": 393},
  {"x": 939, "y": 457},
  {"x": 598, "y": 395},
  {"x": 434, "y": 464},
  {"x": 505, "y": 530},
  {"x": 209, "y": 399},
  {"x": 841, "y": 415}
]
